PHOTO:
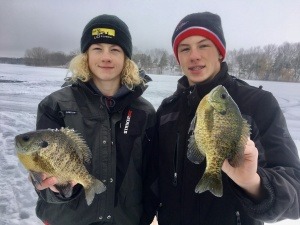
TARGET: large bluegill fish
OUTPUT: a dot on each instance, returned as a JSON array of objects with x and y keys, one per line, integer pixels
[
  {"x": 59, "y": 153},
  {"x": 219, "y": 132}
]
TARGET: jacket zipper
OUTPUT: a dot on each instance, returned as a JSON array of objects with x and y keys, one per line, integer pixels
[
  {"x": 238, "y": 218},
  {"x": 176, "y": 161}
]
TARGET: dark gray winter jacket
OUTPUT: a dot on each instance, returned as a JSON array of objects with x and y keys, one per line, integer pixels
[
  {"x": 119, "y": 135},
  {"x": 278, "y": 161}
]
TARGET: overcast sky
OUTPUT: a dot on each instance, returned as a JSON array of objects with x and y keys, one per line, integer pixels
[{"x": 57, "y": 24}]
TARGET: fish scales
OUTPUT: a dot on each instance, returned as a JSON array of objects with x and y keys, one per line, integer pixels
[
  {"x": 59, "y": 153},
  {"x": 219, "y": 132}
]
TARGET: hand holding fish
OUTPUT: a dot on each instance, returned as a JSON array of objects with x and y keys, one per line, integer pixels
[
  {"x": 245, "y": 175},
  {"x": 218, "y": 133},
  {"x": 46, "y": 182},
  {"x": 56, "y": 159}
]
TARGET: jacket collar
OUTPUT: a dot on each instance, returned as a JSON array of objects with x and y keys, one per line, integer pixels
[
  {"x": 220, "y": 77},
  {"x": 196, "y": 92},
  {"x": 122, "y": 98}
]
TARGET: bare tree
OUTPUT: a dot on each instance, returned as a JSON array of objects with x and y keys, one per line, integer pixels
[
  {"x": 282, "y": 65},
  {"x": 172, "y": 62},
  {"x": 37, "y": 56},
  {"x": 268, "y": 63},
  {"x": 295, "y": 61},
  {"x": 57, "y": 59},
  {"x": 163, "y": 62},
  {"x": 270, "y": 52}
]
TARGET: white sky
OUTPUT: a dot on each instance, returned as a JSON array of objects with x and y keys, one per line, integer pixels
[{"x": 57, "y": 25}]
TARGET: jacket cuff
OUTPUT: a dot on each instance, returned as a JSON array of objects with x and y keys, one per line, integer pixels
[
  {"x": 256, "y": 207},
  {"x": 52, "y": 197}
]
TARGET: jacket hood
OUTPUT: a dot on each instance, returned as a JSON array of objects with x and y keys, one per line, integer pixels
[
  {"x": 121, "y": 99},
  {"x": 141, "y": 87}
]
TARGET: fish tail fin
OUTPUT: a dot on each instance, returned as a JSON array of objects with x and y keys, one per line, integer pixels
[
  {"x": 210, "y": 182},
  {"x": 97, "y": 187}
]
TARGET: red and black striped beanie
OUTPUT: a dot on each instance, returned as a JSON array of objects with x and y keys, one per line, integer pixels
[{"x": 204, "y": 24}]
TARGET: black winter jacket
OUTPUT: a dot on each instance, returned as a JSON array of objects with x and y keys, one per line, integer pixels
[
  {"x": 120, "y": 138},
  {"x": 278, "y": 161}
]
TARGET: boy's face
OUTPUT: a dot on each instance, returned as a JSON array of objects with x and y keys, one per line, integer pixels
[
  {"x": 199, "y": 59},
  {"x": 106, "y": 62}
]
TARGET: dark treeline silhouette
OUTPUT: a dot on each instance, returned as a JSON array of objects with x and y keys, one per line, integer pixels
[
  {"x": 39, "y": 56},
  {"x": 7, "y": 60},
  {"x": 276, "y": 63},
  {"x": 271, "y": 62},
  {"x": 155, "y": 61}
]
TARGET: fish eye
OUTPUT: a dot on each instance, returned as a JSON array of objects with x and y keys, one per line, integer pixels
[
  {"x": 223, "y": 95},
  {"x": 223, "y": 112},
  {"x": 25, "y": 138},
  {"x": 44, "y": 144}
]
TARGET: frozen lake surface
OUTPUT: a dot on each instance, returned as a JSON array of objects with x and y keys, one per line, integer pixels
[{"x": 23, "y": 87}]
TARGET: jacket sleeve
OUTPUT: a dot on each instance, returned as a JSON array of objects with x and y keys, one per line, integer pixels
[
  {"x": 48, "y": 114},
  {"x": 48, "y": 117},
  {"x": 150, "y": 178},
  {"x": 278, "y": 165}
]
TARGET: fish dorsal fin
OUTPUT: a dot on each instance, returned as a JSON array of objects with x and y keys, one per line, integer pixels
[
  {"x": 80, "y": 145},
  {"x": 193, "y": 153}
]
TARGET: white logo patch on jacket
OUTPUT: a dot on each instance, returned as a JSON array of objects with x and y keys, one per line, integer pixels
[{"x": 129, "y": 114}]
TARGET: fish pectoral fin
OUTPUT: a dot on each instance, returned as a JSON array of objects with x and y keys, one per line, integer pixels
[
  {"x": 36, "y": 177},
  {"x": 193, "y": 125},
  {"x": 66, "y": 190},
  {"x": 193, "y": 153}
]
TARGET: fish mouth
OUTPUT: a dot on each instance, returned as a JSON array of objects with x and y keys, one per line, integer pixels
[
  {"x": 17, "y": 144},
  {"x": 19, "y": 148},
  {"x": 215, "y": 105}
]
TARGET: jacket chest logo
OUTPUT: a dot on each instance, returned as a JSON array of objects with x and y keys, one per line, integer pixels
[{"x": 128, "y": 118}]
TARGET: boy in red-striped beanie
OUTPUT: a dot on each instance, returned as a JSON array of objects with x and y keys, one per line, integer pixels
[{"x": 241, "y": 189}]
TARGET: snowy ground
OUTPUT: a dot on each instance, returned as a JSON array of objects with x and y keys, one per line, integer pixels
[{"x": 22, "y": 88}]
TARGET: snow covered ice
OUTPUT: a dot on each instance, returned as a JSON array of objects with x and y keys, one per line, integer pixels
[{"x": 23, "y": 87}]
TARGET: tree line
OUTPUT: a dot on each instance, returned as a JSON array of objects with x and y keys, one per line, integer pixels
[
  {"x": 39, "y": 56},
  {"x": 276, "y": 63},
  {"x": 271, "y": 62}
]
